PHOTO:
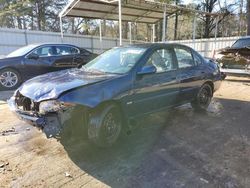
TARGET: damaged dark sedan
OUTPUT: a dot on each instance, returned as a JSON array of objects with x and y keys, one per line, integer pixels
[
  {"x": 106, "y": 95},
  {"x": 237, "y": 56}
]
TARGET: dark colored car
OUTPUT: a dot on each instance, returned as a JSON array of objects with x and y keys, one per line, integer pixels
[
  {"x": 223, "y": 75},
  {"x": 108, "y": 93},
  {"x": 237, "y": 56},
  {"x": 37, "y": 59}
]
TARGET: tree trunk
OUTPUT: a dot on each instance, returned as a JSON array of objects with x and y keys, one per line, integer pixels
[
  {"x": 104, "y": 28},
  {"x": 19, "y": 22},
  {"x": 207, "y": 27},
  {"x": 248, "y": 17},
  {"x": 160, "y": 30},
  {"x": 38, "y": 16},
  {"x": 241, "y": 17},
  {"x": 125, "y": 30},
  {"x": 41, "y": 20},
  {"x": 176, "y": 26},
  {"x": 24, "y": 23},
  {"x": 176, "y": 22},
  {"x": 73, "y": 30}
]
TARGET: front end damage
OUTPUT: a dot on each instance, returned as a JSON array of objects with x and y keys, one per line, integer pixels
[{"x": 51, "y": 116}]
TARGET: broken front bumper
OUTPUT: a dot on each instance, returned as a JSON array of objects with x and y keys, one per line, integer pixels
[{"x": 51, "y": 123}]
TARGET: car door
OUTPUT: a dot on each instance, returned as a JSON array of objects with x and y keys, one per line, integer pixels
[
  {"x": 152, "y": 92},
  {"x": 42, "y": 63},
  {"x": 190, "y": 73},
  {"x": 81, "y": 57},
  {"x": 64, "y": 57}
]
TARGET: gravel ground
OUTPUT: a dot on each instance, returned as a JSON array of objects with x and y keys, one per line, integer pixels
[{"x": 180, "y": 148}]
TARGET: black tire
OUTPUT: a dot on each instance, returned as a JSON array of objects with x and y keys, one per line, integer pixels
[
  {"x": 105, "y": 125},
  {"x": 203, "y": 98},
  {"x": 9, "y": 79}
]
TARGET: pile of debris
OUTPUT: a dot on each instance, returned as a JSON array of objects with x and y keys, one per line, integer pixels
[
  {"x": 4, "y": 166},
  {"x": 8, "y": 131}
]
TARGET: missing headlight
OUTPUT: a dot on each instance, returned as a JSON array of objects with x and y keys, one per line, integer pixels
[{"x": 53, "y": 106}]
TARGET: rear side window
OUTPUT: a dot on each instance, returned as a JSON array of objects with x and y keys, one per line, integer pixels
[
  {"x": 75, "y": 50},
  {"x": 66, "y": 50},
  {"x": 63, "y": 50},
  {"x": 184, "y": 57},
  {"x": 197, "y": 59}
]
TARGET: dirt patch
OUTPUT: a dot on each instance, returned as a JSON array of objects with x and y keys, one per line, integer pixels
[{"x": 178, "y": 148}]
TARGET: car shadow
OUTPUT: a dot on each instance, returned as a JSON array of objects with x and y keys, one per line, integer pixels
[
  {"x": 110, "y": 164},
  {"x": 169, "y": 149}
]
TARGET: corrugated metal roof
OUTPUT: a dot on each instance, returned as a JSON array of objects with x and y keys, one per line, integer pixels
[
  {"x": 132, "y": 10},
  {"x": 144, "y": 11}
]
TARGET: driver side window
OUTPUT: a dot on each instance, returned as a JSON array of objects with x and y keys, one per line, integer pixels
[
  {"x": 44, "y": 51},
  {"x": 162, "y": 59}
]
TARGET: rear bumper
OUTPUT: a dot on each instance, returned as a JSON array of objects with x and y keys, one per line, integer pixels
[{"x": 243, "y": 72}]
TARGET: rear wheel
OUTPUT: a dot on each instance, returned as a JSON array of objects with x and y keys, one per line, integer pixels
[
  {"x": 203, "y": 98},
  {"x": 9, "y": 79},
  {"x": 104, "y": 125}
]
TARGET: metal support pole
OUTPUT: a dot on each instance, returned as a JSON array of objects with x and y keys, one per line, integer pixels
[
  {"x": 26, "y": 37},
  {"x": 153, "y": 33},
  {"x": 215, "y": 37},
  {"x": 194, "y": 30},
  {"x": 120, "y": 21},
  {"x": 130, "y": 33},
  {"x": 164, "y": 25},
  {"x": 61, "y": 28},
  {"x": 100, "y": 32}
]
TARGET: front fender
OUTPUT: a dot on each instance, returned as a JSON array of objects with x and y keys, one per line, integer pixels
[{"x": 95, "y": 94}]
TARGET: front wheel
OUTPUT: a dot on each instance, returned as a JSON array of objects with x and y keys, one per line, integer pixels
[
  {"x": 9, "y": 79},
  {"x": 203, "y": 98},
  {"x": 104, "y": 125}
]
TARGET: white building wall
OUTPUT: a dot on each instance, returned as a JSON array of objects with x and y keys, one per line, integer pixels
[{"x": 11, "y": 39}]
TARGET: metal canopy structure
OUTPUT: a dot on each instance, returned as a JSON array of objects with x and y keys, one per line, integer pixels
[
  {"x": 140, "y": 11},
  {"x": 132, "y": 10}
]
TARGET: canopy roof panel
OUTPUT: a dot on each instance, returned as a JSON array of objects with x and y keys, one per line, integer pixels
[
  {"x": 144, "y": 11},
  {"x": 132, "y": 10}
]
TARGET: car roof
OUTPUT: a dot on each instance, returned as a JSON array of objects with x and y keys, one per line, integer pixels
[
  {"x": 242, "y": 38},
  {"x": 152, "y": 45},
  {"x": 43, "y": 44}
]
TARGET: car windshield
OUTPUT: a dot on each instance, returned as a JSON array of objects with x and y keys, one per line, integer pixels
[
  {"x": 21, "y": 51},
  {"x": 241, "y": 43},
  {"x": 116, "y": 60}
]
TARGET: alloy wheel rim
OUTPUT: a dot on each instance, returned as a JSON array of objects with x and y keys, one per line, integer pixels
[{"x": 8, "y": 79}]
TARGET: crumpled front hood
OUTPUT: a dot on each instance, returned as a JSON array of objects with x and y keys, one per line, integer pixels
[{"x": 51, "y": 85}]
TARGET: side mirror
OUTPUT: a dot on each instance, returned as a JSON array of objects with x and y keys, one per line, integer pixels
[
  {"x": 33, "y": 56},
  {"x": 150, "y": 69}
]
